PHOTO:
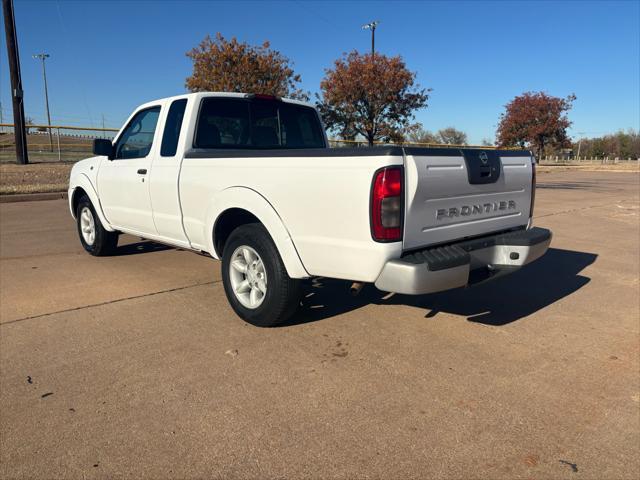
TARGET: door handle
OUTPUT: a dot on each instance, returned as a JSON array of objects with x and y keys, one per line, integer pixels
[{"x": 142, "y": 171}]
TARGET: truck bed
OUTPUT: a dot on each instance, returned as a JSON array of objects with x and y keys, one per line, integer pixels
[{"x": 442, "y": 203}]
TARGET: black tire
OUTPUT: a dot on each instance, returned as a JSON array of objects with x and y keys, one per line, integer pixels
[
  {"x": 104, "y": 242},
  {"x": 282, "y": 297}
]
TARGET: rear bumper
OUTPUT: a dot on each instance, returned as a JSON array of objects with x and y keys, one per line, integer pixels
[{"x": 463, "y": 263}]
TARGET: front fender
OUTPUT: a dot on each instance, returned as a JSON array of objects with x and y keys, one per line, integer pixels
[
  {"x": 80, "y": 180},
  {"x": 254, "y": 203}
]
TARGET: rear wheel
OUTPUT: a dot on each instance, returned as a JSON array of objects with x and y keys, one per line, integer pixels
[
  {"x": 255, "y": 279},
  {"x": 93, "y": 236}
]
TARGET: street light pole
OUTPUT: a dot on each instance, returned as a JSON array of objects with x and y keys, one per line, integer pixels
[
  {"x": 43, "y": 57},
  {"x": 372, "y": 26},
  {"x": 580, "y": 143}
]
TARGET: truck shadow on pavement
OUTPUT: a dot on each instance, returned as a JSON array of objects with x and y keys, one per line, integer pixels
[
  {"x": 143, "y": 246},
  {"x": 498, "y": 302}
]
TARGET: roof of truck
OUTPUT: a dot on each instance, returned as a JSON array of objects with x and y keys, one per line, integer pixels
[{"x": 228, "y": 95}]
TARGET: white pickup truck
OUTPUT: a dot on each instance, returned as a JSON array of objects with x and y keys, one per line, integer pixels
[{"x": 249, "y": 179}]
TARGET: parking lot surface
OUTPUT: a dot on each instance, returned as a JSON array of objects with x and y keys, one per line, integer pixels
[{"x": 135, "y": 366}]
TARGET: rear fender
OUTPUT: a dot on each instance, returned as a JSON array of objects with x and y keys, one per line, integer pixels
[{"x": 254, "y": 203}]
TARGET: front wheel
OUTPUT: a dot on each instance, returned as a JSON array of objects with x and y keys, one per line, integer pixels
[
  {"x": 255, "y": 279},
  {"x": 93, "y": 236}
]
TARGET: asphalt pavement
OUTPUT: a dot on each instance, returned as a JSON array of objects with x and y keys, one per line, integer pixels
[{"x": 135, "y": 366}]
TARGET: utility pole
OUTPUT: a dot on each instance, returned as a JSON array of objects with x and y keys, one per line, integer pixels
[
  {"x": 17, "y": 95},
  {"x": 372, "y": 26},
  {"x": 43, "y": 57}
]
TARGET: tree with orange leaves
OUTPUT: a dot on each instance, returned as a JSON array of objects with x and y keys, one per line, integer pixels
[
  {"x": 374, "y": 96},
  {"x": 222, "y": 65},
  {"x": 537, "y": 120}
]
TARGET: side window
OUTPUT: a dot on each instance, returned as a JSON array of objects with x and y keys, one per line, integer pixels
[
  {"x": 222, "y": 123},
  {"x": 137, "y": 137},
  {"x": 300, "y": 127},
  {"x": 172, "y": 128}
]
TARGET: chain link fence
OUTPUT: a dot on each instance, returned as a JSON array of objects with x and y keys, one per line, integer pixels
[
  {"x": 57, "y": 143},
  {"x": 582, "y": 160}
]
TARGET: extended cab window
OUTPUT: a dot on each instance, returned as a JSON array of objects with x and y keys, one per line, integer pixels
[
  {"x": 137, "y": 137},
  {"x": 223, "y": 123},
  {"x": 256, "y": 123},
  {"x": 300, "y": 127},
  {"x": 172, "y": 128}
]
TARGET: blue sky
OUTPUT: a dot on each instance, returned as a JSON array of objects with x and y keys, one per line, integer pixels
[{"x": 109, "y": 56}]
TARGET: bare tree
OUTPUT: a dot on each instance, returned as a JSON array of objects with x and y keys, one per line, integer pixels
[{"x": 451, "y": 136}]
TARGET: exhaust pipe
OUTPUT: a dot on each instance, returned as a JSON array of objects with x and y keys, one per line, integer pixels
[{"x": 355, "y": 288}]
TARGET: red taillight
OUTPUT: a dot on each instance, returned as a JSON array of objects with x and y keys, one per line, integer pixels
[
  {"x": 533, "y": 186},
  {"x": 386, "y": 205}
]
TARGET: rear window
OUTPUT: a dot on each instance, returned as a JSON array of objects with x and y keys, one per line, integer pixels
[{"x": 256, "y": 123}]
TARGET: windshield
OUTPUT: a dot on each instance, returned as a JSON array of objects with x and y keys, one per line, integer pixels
[{"x": 256, "y": 123}]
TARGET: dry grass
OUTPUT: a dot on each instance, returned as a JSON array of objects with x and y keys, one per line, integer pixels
[
  {"x": 72, "y": 148},
  {"x": 34, "y": 178},
  {"x": 592, "y": 167}
]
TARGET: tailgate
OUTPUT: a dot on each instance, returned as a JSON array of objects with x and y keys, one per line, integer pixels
[{"x": 452, "y": 194}]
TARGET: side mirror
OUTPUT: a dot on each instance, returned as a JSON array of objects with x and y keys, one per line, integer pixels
[{"x": 103, "y": 147}]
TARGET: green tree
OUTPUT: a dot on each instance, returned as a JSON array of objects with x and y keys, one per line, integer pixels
[{"x": 620, "y": 144}]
